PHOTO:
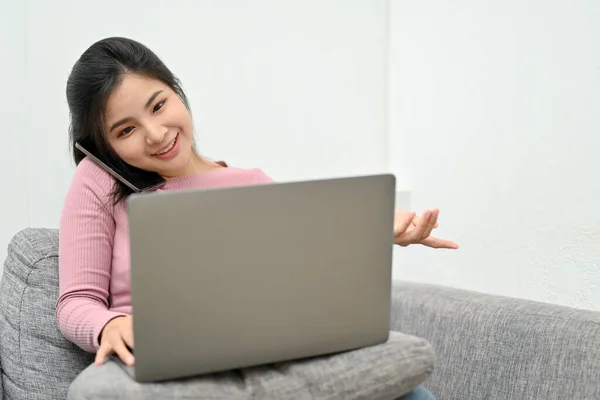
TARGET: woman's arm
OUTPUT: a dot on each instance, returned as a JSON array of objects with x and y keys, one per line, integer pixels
[{"x": 86, "y": 236}]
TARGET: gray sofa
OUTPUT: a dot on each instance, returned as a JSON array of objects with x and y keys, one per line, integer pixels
[{"x": 487, "y": 347}]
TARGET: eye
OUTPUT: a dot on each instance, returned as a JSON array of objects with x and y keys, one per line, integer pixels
[
  {"x": 158, "y": 106},
  {"x": 126, "y": 131}
]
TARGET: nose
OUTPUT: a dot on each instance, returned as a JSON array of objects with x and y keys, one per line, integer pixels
[{"x": 155, "y": 134}]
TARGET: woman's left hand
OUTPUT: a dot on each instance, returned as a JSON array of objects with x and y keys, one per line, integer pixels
[{"x": 410, "y": 229}]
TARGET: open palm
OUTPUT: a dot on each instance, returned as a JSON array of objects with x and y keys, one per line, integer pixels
[{"x": 410, "y": 229}]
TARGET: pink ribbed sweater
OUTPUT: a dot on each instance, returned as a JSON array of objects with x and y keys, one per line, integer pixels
[{"x": 94, "y": 248}]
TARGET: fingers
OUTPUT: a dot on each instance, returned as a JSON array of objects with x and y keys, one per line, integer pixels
[
  {"x": 437, "y": 243},
  {"x": 434, "y": 242},
  {"x": 417, "y": 219},
  {"x": 103, "y": 352},
  {"x": 417, "y": 234},
  {"x": 116, "y": 344},
  {"x": 431, "y": 224},
  {"x": 418, "y": 230},
  {"x": 403, "y": 222},
  {"x": 437, "y": 224},
  {"x": 128, "y": 338},
  {"x": 414, "y": 235},
  {"x": 123, "y": 352}
]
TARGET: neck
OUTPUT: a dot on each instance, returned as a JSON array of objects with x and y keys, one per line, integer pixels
[{"x": 198, "y": 165}]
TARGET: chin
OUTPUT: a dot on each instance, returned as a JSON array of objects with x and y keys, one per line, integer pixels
[{"x": 179, "y": 165}]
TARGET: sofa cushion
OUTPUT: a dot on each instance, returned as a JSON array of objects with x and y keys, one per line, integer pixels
[{"x": 37, "y": 361}]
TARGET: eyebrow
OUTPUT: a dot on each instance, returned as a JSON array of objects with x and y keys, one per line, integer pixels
[{"x": 127, "y": 119}]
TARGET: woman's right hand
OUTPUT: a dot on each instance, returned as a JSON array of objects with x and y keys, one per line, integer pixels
[{"x": 116, "y": 337}]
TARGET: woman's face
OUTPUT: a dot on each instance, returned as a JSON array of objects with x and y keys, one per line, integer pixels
[{"x": 149, "y": 127}]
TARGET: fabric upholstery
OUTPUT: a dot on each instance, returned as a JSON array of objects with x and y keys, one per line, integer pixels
[
  {"x": 1, "y": 385},
  {"x": 37, "y": 362},
  {"x": 498, "y": 348}
]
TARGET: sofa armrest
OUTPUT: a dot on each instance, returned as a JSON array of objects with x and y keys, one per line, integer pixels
[
  {"x": 499, "y": 348},
  {"x": 1, "y": 379},
  {"x": 37, "y": 361}
]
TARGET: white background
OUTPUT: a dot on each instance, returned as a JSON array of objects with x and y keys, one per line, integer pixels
[
  {"x": 495, "y": 118},
  {"x": 488, "y": 110}
]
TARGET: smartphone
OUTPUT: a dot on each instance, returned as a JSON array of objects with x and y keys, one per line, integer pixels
[{"x": 136, "y": 179}]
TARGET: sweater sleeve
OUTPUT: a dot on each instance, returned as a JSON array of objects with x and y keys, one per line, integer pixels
[{"x": 86, "y": 237}]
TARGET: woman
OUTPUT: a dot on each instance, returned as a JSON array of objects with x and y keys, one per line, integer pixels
[{"x": 126, "y": 106}]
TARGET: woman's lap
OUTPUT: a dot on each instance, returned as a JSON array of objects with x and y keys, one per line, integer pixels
[
  {"x": 110, "y": 381},
  {"x": 378, "y": 372}
]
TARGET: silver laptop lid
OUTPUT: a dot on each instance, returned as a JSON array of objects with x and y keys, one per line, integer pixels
[{"x": 234, "y": 277}]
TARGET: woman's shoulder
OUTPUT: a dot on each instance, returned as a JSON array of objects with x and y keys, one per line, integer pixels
[
  {"x": 89, "y": 176},
  {"x": 89, "y": 170}
]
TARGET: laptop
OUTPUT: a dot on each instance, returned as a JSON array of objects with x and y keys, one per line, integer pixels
[{"x": 237, "y": 277}]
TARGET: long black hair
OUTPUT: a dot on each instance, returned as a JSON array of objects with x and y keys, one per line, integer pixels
[{"x": 99, "y": 70}]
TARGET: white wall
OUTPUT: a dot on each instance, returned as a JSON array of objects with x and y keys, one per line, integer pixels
[
  {"x": 492, "y": 114},
  {"x": 495, "y": 118},
  {"x": 296, "y": 88},
  {"x": 14, "y": 187}
]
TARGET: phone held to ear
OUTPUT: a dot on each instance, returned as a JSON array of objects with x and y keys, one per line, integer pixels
[{"x": 136, "y": 179}]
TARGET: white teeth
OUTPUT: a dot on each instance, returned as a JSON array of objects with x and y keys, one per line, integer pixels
[{"x": 168, "y": 148}]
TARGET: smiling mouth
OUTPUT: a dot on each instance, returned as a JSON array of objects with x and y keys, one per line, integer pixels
[{"x": 168, "y": 148}]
